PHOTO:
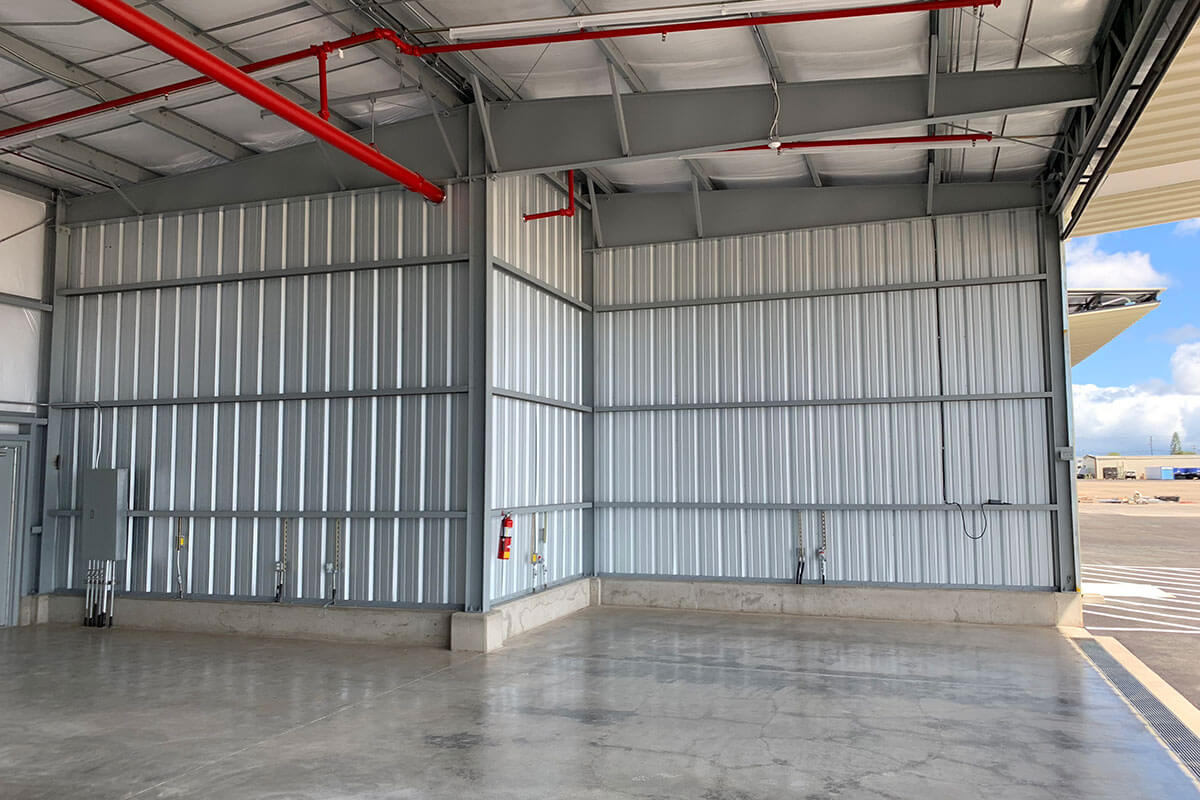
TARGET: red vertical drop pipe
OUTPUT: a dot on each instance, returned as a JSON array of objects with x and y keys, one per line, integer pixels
[
  {"x": 323, "y": 79},
  {"x": 569, "y": 211},
  {"x": 139, "y": 25}
]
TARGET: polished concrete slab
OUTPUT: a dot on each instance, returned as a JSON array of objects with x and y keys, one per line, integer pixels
[{"x": 606, "y": 703}]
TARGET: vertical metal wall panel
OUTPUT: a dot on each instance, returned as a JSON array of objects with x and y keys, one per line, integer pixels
[
  {"x": 562, "y": 552},
  {"x": 888, "y": 453},
  {"x": 992, "y": 339},
  {"x": 548, "y": 249},
  {"x": 359, "y": 331},
  {"x": 998, "y": 244},
  {"x": 536, "y": 342},
  {"x": 537, "y": 454},
  {"x": 846, "y": 347},
  {"x": 855, "y": 346},
  {"x": 822, "y": 258}
]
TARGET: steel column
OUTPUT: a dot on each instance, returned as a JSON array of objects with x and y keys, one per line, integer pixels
[
  {"x": 1062, "y": 435},
  {"x": 479, "y": 398},
  {"x": 588, "y": 396},
  {"x": 48, "y": 577}
]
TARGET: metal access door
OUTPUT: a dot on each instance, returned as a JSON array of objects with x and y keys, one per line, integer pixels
[{"x": 12, "y": 526}]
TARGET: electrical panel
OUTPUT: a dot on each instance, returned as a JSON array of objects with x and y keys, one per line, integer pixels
[{"x": 104, "y": 503}]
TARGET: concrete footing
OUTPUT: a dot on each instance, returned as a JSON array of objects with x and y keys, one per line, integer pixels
[
  {"x": 865, "y": 602},
  {"x": 483, "y": 633},
  {"x": 398, "y": 626}
]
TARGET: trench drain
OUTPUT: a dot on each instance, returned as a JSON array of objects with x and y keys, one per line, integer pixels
[{"x": 1178, "y": 737}]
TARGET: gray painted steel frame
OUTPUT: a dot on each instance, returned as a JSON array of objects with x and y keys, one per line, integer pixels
[
  {"x": 536, "y": 136},
  {"x": 1062, "y": 433}
]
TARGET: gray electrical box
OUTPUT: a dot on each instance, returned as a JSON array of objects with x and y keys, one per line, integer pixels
[{"x": 104, "y": 502}]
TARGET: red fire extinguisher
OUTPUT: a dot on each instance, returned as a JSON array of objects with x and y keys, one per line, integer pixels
[{"x": 506, "y": 526}]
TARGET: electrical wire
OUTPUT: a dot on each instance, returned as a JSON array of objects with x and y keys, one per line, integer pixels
[
  {"x": 963, "y": 515},
  {"x": 50, "y": 73},
  {"x": 773, "y": 136}
]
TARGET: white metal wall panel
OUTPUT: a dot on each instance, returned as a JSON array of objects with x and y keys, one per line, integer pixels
[
  {"x": 537, "y": 349},
  {"x": 548, "y": 249},
  {"x": 871, "y": 547},
  {"x": 962, "y": 340},
  {"x": 826, "y": 454},
  {"x": 852, "y": 346},
  {"x": 370, "y": 333},
  {"x": 817, "y": 259},
  {"x": 998, "y": 244},
  {"x": 537, "y": 456},
  {"x": 562, "y": 553},
  {"x": 537, "y": 341}
]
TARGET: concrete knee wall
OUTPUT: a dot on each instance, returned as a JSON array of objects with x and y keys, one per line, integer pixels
[{"x": 486, "y": 632}]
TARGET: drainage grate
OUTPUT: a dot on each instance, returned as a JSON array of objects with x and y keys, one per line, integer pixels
[{"x": 1178, "y": 737}]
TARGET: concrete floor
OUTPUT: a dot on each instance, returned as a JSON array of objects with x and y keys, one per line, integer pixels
[{"x": 608, "y": 703}]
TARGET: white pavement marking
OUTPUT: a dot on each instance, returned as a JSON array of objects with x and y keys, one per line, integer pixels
[{"x": 1174, "y": 590}]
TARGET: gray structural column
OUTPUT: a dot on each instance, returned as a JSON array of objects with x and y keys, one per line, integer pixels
[
  {"x": 1061, "y": 429},
  {"x": 479, "y": 395},
  {"x": 49, "y": 577},
  {"x": 588, "y": 394}
]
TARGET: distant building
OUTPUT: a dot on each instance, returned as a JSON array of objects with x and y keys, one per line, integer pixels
[{"x": 1117, "y": 466}]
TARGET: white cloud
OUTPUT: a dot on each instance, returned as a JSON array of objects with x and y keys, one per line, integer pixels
[
  {"x": 1188, "y": 227},
  {"x": 1185, "y": 368},
  {"x": 1089, "y": 267},
  {"x": 1184, "y": 333},
  {"x": 1123, "y": 418}
]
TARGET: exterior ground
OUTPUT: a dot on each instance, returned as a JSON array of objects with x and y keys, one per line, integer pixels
[{"x": 1154, "y": 550}]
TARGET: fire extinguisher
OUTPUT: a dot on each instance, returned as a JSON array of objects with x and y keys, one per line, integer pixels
[{"x": 506, "y": 527}]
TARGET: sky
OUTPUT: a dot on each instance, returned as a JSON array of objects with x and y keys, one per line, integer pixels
[{"x": 1146, "y": 382}]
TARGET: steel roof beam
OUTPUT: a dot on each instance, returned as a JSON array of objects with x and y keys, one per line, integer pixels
[
  {"x": 578, "y": 132},
  {"x": 652, "y": 217}
]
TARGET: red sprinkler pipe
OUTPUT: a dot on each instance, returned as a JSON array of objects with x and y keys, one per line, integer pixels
[
  {"x": 882, "y": 141},
  {"x": 323, "y": 80},
  {"x": 164, "y": 92},
  {"x": 680, "y": 27},
  {"x": 569, "y": 211},
  {"x": 151, "y": 32}
]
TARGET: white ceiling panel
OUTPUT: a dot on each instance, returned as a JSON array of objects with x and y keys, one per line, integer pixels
[{"x": 152, "y": 148}]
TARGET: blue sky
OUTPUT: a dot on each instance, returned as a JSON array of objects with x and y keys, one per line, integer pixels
[{"x": 1146, "y": 382}]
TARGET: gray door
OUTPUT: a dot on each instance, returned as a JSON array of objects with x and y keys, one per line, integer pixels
[{"x": 11, "y": 525}]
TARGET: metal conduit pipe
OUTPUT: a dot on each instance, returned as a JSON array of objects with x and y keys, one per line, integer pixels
[
  {"x": 881, "y": 142},
  {"x": 171, "y": 43},
  {"x": 662, "y": 29}
]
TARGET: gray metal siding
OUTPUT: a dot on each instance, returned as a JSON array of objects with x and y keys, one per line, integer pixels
[
  {"x": 371, "y": 334},
  {"x": 537, "y": 349},
  {"x": 855, "y": 348},
  {"x": 548, "y": 249}
]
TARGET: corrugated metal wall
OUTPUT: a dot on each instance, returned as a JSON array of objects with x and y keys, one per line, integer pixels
[
  {"x": 537, "y": 352},
  {"x": 342, "y": 407},
  {"x": 829, "y": 401}
]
